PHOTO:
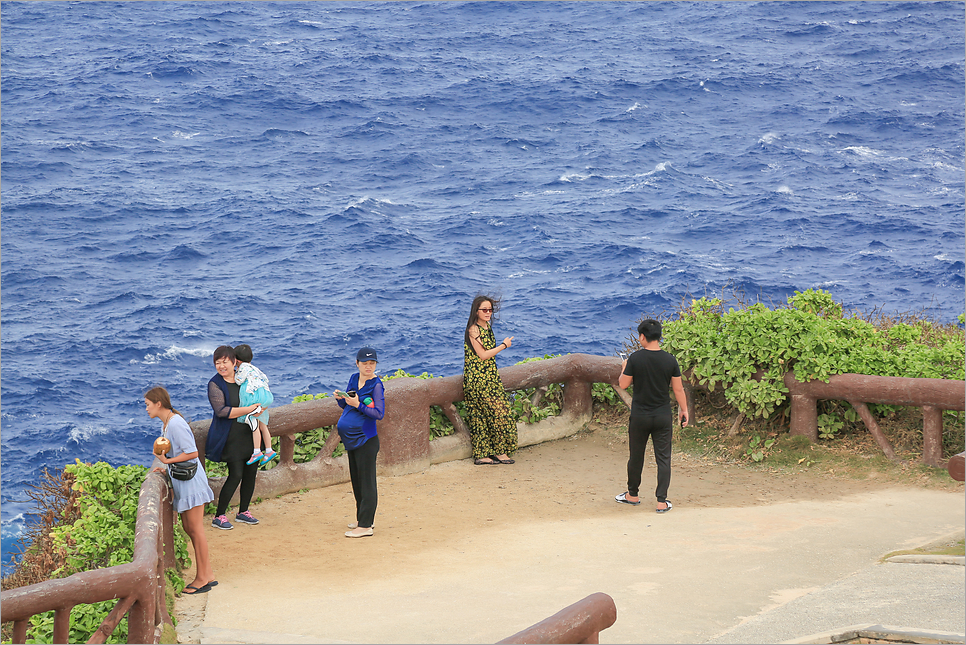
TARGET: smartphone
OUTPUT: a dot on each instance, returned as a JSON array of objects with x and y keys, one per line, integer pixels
[
  {"x": 623, "y": 355},
  {"x": 350, "y": 393},
  {"x": 340, "y": 393}
]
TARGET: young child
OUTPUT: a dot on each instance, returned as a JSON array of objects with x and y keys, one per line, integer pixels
[{"x": 252, "y": 389}]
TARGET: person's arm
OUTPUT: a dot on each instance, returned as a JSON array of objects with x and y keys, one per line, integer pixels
[
  {"x": 185, "y": 456},
  {"x": 378, "y": 409},
  {"x": 181, "y": 437},
  {"x": 487, "y": 353},
  {"x": 625, "y": 379},
  {"x": 678, "y": 386},
  {"x": 218, "y": 404}
]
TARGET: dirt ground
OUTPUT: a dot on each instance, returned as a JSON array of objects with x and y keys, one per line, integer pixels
[
  {"x": 457, "y": 511},
  {"x": 568, "y": 478}
]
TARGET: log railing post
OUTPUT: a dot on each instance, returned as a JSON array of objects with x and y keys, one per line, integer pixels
[{"x": 932, "y": 436}]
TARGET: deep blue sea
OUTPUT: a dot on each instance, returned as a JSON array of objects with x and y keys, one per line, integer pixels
[{"x": 310, "y": 177}]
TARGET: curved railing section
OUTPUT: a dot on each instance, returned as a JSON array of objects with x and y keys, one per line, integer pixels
[
  {"x": 405, "y": 447},
  {"x": 581, "y": 622},
  {"x": 404, "y": 437},
  {"x": 138, "y": 585}
]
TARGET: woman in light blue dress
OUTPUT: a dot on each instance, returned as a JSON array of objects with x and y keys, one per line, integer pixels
[{"x": 190, "y": 496}]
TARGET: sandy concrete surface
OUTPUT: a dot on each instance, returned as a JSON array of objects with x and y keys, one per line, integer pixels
[{"x": 473, "y": 554}]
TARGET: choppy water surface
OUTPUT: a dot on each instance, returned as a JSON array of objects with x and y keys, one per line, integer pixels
[{"x": 311, "y": 177}]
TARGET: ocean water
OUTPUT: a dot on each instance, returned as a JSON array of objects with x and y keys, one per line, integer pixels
[{"x": 312, "y": 177}]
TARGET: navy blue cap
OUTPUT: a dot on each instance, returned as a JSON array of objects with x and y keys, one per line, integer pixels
[{"x": 366, "y": 354}]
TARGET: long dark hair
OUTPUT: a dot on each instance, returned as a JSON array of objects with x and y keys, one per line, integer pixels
[
  {"x": 160, "y": 395},
  {"x": 475, "y": 311}
]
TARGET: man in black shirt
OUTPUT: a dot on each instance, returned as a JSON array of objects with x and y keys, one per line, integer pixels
[{"x": 651, "y": 370}]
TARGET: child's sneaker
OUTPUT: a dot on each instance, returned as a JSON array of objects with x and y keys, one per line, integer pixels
[
  {"x": 267, "y": 457},
  {"x": 252, "y": 422},
  {"x": 257, "y": 455},
  {"x": 221, "y": 522},
  {"x": 246, "y": 517}
]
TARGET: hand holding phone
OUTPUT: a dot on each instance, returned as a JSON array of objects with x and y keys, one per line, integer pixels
[
  {"x": 340, "y": 394},
  {"x": 623, "y": 355}
]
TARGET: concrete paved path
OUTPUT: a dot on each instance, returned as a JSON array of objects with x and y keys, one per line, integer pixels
[{"x": 759, "y": 573}]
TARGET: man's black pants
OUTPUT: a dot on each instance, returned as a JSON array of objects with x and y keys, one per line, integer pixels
[{"x": 659, "y": 429}]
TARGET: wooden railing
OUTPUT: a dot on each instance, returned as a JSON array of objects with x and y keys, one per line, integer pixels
[
  {"x": 404, "y": 437},
  {"x": 404, "y": 447},
  {"x": 931, "y": 394},
  {"x": 581, "y": 622},
  {"x": 138, "y": 586}
]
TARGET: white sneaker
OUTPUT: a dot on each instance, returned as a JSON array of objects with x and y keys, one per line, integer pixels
[
  {"x": 359, "y": 532},
  {"x": 252, "y": 422}
]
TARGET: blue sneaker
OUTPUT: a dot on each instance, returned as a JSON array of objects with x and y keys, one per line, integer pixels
[
  {"x": 246, "y": 517},
  {"x": 221, "y": 522}
]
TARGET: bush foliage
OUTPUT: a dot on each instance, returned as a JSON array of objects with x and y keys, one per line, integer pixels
[
  {"x": 749, "y": 349},
  {"x": 93, "y": 528}
]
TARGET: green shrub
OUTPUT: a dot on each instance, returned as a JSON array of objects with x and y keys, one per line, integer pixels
[
  {"x": 101, "y": 536},
  {"x": 813, "y": 336}
]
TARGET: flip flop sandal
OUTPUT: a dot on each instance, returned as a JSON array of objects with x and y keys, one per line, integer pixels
[
  {"x": 505, "y": 461},
  {"x": 622, "y": 498},
  {"x": 480, "y": 462},
  {"x": 197, "y": 590},
  {"x": 665, "y": 510}
]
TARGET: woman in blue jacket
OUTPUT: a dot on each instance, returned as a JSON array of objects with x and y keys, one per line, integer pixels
[{"x": 363, "y": 403}]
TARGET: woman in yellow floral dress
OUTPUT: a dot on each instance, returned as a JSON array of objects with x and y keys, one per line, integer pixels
[{"x": 493, "y": 429}]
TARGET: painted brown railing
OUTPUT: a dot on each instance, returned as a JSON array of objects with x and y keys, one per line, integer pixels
[
  {"x": 138, "y": 585},
  {"x": 932, "y": 395},
  {"x": 404, "y": 447},
  {"x": 581, "y": 622},
  {"x": 404, "y": 437},
  {"x": 957, "y": 467}
]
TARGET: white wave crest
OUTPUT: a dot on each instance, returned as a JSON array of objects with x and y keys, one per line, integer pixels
[
  {"x": 636, "y": 106},
  {"x": 863, "y": 151},
  {"x": 768, "y": 137},
  {"x": 78, "y": 434},
  {"x": 785, "y": 190},
  {"x": 575, "y": 176},
  {"x": 174, "y": 353}
]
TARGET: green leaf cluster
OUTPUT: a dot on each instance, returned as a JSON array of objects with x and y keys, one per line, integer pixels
[
  {"x": 101, "y": 536},
  {"x": 748, "y": 350},
  {"x": 758, "y": 448}
]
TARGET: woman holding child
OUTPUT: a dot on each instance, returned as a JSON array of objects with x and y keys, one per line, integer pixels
[
  {"x": 230, "y": 441},
  {"x": 190, "y": 496},
  {"x": 493, "y": 430}
]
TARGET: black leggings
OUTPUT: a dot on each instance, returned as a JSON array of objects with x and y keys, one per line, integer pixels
[
  {"x": 362, "y": 472},
  {"x": 238, "y": 472},
  {"x": 659, "y": 429}
]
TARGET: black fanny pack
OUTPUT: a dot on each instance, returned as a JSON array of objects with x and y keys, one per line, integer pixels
[{"x": 182, "y": 470}]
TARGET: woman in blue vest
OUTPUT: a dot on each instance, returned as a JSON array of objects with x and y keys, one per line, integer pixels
[
  {"x": 229, "y": 440},
  {"x": 363, "y": 403}
]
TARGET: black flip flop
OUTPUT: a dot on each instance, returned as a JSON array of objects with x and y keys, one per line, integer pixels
[
  {"x": 197, "y": 590},
  {"x": 480, "y": 462}
]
